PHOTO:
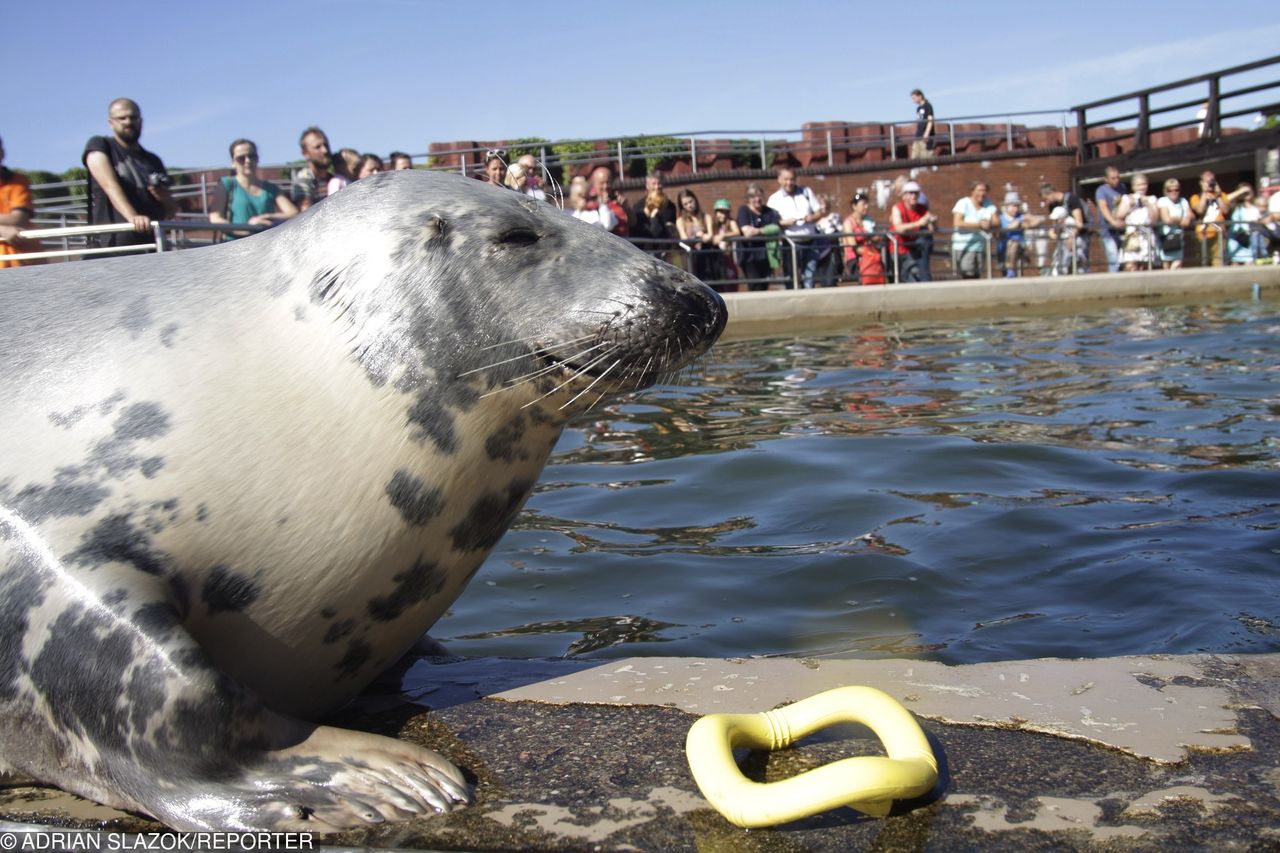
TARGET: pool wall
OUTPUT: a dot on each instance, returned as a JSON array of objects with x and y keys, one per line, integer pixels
[{"x": 774, "y": 311}]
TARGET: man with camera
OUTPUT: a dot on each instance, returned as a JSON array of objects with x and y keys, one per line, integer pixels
[{"x": 127, "y": 183}]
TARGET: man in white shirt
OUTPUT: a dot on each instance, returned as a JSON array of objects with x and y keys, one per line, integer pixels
[{"x": 798, "y": 209}]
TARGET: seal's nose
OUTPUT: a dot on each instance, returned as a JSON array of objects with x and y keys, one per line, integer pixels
[{"x": 706, "y": 307}]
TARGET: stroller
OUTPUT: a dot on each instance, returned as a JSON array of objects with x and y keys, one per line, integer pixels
[{"x": 1067, "y": 239}]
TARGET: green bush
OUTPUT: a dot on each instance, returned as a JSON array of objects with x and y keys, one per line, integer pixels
[
  {"x": 39, "y": 176},
  {"x": 570, "y": 152},
  {"x": 647, "y": 154},
  {"x": 517, "y": 148}
]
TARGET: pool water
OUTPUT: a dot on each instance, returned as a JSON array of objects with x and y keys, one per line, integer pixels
[{"x": 1084, "y": 485}]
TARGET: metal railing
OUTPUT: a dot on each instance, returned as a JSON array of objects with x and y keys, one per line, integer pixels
[
  {"x": 166, "y": 236},
  {"x": 65, "y": 233},
  {"x": 1209, "y": 96},
  {"x": 830, "y": 144}
]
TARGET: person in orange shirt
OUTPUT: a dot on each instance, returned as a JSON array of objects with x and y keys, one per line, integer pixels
[{"x": 15, "y": 213}]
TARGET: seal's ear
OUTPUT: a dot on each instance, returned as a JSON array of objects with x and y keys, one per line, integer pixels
[{"x": 435, "y": 227}]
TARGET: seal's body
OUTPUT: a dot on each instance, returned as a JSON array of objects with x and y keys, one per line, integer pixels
[{"x": 236, "y": 483}]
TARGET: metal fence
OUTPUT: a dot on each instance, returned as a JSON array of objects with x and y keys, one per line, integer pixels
[
  {"x": 69, "y": 243},
  {"x": 831, "y": 143}
]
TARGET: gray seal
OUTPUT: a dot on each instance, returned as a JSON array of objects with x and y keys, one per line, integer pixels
[{"x": 236, "y": 483}]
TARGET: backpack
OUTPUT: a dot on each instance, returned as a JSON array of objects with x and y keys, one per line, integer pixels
[{"x": 222, "y": 196}]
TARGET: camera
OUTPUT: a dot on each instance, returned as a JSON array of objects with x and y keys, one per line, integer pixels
[
  {"x": 158, "y": 179},
  {"x": 1213, "y": 185}
]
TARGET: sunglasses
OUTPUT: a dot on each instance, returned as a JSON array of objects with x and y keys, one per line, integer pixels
[
  {"x": 495, "y": 152},
  {"x": 247, "y": 158}
]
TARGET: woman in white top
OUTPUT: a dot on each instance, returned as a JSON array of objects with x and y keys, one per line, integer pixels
[
  {"x": 1175, "y": 219},
  {"x": 1138, "y": 210}
]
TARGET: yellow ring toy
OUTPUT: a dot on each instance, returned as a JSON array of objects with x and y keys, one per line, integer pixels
[{"x": 868, "y": 783}]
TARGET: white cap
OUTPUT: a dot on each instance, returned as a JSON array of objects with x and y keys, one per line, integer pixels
[{"x": 911, "y": 187}]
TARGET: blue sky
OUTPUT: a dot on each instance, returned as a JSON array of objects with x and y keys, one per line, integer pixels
[{"x": 384, "y": 74}]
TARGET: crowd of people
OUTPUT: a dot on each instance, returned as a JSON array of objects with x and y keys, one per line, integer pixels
[
  {"x": 1136, "y": 230},
  {"x": 790, "y": 235}
]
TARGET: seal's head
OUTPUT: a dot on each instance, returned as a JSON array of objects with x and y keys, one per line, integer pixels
[{"x": 474, "y": 281}]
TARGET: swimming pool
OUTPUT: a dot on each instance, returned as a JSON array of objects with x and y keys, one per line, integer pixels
[{"x": 1083, "y": 485}]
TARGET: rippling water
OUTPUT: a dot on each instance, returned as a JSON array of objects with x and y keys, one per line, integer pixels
[{"x": 1079, "y": 485}]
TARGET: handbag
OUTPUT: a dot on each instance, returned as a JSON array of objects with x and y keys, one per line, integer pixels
[{"x": 1171, "y": 241}]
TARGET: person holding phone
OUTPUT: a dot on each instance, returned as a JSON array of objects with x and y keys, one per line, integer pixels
[{"x": 1212, "y": 208}]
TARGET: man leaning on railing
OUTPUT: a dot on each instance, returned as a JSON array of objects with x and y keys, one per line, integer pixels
[{"x": 127, "y": 183}]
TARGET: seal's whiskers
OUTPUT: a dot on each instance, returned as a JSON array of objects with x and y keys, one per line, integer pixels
[
  {"x": 525, "y": 354},
  {"x": 578, "y": 372},
  {"x": 535, "y": 337},
  {"x": 592, "y": 385},
  {"x": 559, "y": 364}
]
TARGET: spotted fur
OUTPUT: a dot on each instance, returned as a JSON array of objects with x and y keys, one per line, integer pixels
[{"x": 236, "y": 482}]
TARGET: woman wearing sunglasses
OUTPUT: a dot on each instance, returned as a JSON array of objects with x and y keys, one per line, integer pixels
[{"x": 244, "y": 198}]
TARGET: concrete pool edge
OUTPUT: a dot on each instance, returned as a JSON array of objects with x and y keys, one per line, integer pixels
[
  {"x": 1154, "y": 750},
  {"x": 775, "y": 311},
  {"x": 1154, "y": 707}
]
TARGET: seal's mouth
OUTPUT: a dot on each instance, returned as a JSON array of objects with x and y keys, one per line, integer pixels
[
  {"x": 629, "y": 351},
  {"x": 638, "y": 346}
]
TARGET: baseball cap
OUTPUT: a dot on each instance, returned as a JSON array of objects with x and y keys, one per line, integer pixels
[
  {"x": 722, "y": 204},
  {"x": 911, "y": 187}
]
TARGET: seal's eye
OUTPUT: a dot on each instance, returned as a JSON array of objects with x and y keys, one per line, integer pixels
[{"x": 519, "y": 237}]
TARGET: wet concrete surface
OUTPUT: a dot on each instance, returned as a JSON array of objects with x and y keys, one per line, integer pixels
[{"x": 598, "y": 772}]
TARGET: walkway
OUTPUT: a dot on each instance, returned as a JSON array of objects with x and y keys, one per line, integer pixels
[{"x": 1147, "y": 753}]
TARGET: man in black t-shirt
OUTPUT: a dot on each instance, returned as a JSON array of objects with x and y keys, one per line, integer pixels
[
  {"x": 127, "y": 183},
  {"x": 924, "y": 126}
]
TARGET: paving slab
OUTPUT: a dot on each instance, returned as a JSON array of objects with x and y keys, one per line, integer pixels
[
  {"x": 1136, "y": 753},
  {"x": 1153, "y": 707}
]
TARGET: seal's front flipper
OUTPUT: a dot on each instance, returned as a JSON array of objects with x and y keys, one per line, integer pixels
[
  {"x": 334, "y": 779},
  {"x": 104, "y": 693}
]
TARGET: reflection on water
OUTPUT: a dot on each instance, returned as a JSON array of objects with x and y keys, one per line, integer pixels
[{"x": 977, "y": 490}]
